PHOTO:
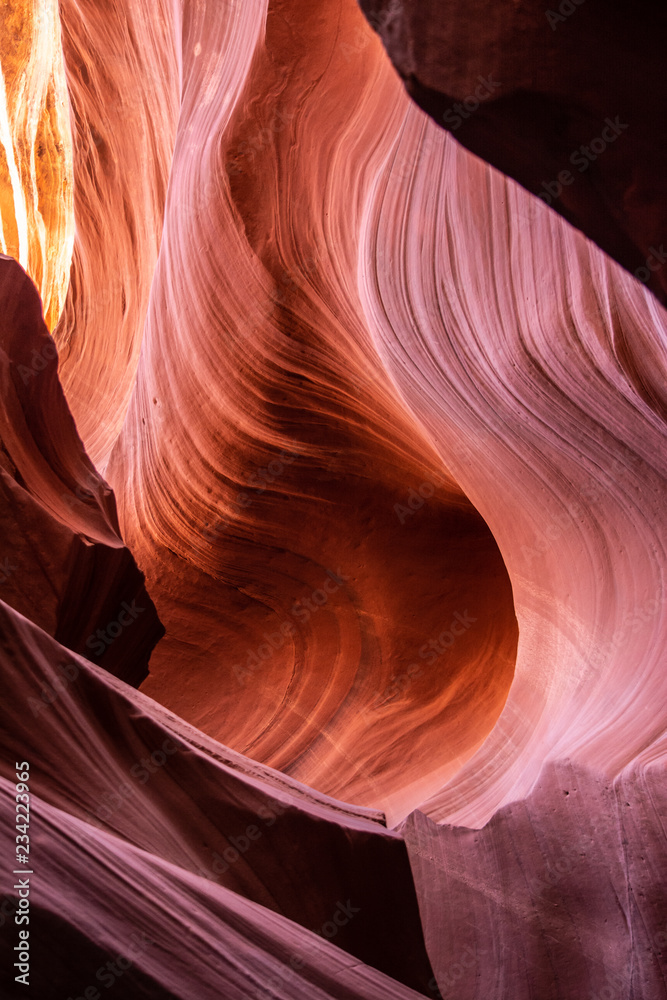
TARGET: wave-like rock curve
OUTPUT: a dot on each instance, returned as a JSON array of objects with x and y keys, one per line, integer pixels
[
  {"x": 268, "y": 472},
  {"x": 65, "y": 565},
  {"x": 387, "y": 440}
]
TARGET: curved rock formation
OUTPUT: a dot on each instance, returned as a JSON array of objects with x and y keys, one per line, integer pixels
[
  {"x": 559, "y": 895},
  {"x": 64, "y": 566},
  {"x": 215, "y": 816},
  {"x": 309, "y": 602},
  {"x": 566, "y": 457},
  {"x": 387, "y": 437},
  {"x": 122, "y": 65},
  {"x": 570, "y": 100}
]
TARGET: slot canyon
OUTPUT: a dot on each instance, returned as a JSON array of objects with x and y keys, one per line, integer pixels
[{"x": 332, "y": 489}]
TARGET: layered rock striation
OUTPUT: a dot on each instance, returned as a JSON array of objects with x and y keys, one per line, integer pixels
[
  {"x": 386, "y": 437},
  {"x": 568, "y": 99},
  {"x": 65, "y": 566}
]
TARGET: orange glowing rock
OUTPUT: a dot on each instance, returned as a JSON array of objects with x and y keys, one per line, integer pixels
[
  {"x": 36, "y": 210},
  {"x": 386, "y": 435}
]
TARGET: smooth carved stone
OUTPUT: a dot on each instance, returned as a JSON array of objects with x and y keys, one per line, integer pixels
[
  {"x": 560, "y": 895},
  {"x": 64, "y": 565},
  {"x": 165, "y": 806},
  {"x": 266, "y": 454},
  {"x": 566, "y": 457},
  {"x": 120, "y": 62},
  {"x": 388, "y": 440},
  {"x": 568, "y": 98}
]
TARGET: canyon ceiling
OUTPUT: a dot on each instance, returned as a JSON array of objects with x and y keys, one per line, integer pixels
[{"x": 332, "y": 447}]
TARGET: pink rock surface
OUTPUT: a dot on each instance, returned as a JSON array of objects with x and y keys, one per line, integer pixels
[
  {"x": 102, "y": 935},
  {"x": 566, "y": 458},
  {"x": 569, "y": 99},
  {"x": 561, "y": 894},
  {"x": 266, "y": 447},
  {"x": 387, "y": 438},
  {"x": 64, "y": 563},
  {"x": 168, "y": 800},
  {"x": 121, "y": 61}
]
